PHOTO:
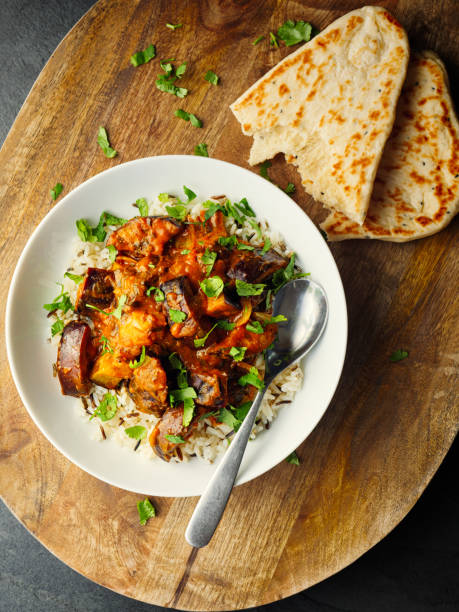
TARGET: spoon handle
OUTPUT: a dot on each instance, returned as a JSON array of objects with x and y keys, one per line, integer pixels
[{"x": 212, "y": 504}]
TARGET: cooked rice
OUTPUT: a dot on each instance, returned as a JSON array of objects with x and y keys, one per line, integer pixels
[{"x": 207, "y": 441}]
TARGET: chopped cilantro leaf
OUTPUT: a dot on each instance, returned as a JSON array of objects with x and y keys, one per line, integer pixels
[
  {"x": 188, "y": 117},
  {"x": 264, "y": 169},
  {"x": 189, "y": 194},
  {"x": 257, "y": 40},
  {"x": 188, "y": 411},
  {"x": 212, "y": 209},
  {"x": 273, "y": 40},
  {"x": 256, "y": 227},
  {"x": 245, "y": 247},
  {"x": 182, "y": 394},
  {"x": 106, "y": 347},
  {"x": 290, "y": 188},
  {"x": 175, "y": 439},
  {"x": 107, "y": 408},
  {"x": 228, "y": 241},
  {"x": 208, "y": 259},
  {"x": 61, "y": 302},
  {"x": 398, "y": 355},
  {"x": 102, "y": 141},
  {"x": 199, "y": 342},
  {"x": 174, "y": 26},
  {"x": 138, "y": 432},
  {"x": 112, "y": 252},
  {"x": 245, "y": 289},
  {"x": 75, "y": 277},
  {"x": 281, "y": 277},
  {"x": 242, "y": 410},
  {"x": 56, "y": 190},
  {"x": 226, "y": 325},
  {"x": 201, "y": 149},
  {"x": 57, "y": 327},
  {"x": 245, "y": 207},
  {"x": 177, "y": 212},
  {"x": 211, "y": 77},
  {"x": 181, "y": 70},
  {"x": 228, "y": 418},
  {"x": 255, "y": 327},
  {"x": 267, "y": 245},
  {"x": 142, "y": 205},
  {"x": 238, "y": 352},
  {"x": 109, "y": 219},
  {"x": 175, "y": 362},
  {"x": 142, "y": 57},
  {"x": 212, "y": 287},
  {"x": 119, "y": 309},
  {"x": 177, "y": 316},
  {"x": 137, "y": 363},
  {"x": 166, "y": 83},
  {"x": 277, "y": 319},
  {"x": 251, "y": 378},
  {"x": 146, "y": 510},
  {"x": 293, "y": 458},
  {"x": 292, "y": 32},
  {"x": 164, "y": 197},
  {"x": 185, "y": 252}
]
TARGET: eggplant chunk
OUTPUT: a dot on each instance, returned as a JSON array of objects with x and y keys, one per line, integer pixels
[
  {"x": 254, "y": 266},
  {"x": 144, "y": 236},
  {"x": 148, "y": 387},
  {"x": 171, "y": 424},
  {"x": 96, "y": 289},
  {"x": 109, "y": 370},
  {"x": 73, "y": 359},
  {"x": 178, "y": 293},
  {"x": 222, "y": 306},
  {"x": 211, "y": 387}
]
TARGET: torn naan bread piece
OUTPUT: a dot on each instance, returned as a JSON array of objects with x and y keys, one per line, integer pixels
[
  {"x": 416, "y": 190},
  {"x": 334, "y": 100}
]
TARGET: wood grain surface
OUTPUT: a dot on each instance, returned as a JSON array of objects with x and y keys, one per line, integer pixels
[{"x": 388, "y": 426}]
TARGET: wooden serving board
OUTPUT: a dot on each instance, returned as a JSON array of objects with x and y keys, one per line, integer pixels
[{"x": 389, "y": 425}]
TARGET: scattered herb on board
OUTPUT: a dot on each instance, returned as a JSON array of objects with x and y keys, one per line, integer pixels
[
  {"x": 257, "y": 40},
  {"x": 290, "y": 188},
  {"x": 138, "y": 432},
  {"x": 398, "y": 355},
  {"x": 264, "y": 169},
  {"x": 102, "y": 141},
  {"x": 138, "y": 362},
  {"x": 212, "y": 77},
  {"x": 188, "y": 117},
  {"x": 212, "y": 286},
  {"x": 56, "y": 190},
  {"x": 174, "y": 26},
  {"x": 107, "y": 408},
  {"x": 273, "y": 40},
  {"x": 293, "y": 458},
  {"x": 201, "y": 149},
  {"x": 146, "y": 510},
  {"x": 143, "y": 57},
  {"x": 294, "y": 32},
  {"x": 142, "y": 205}
]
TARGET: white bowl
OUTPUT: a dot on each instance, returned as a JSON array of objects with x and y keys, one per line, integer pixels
[{"x": 43, "y": 262}]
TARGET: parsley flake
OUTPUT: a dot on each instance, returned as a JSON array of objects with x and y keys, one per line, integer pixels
[
  {"x": 293, "y": 458},
  {"x": 142, "y": 205},
  {"x": 292, "y": 32},
  {"x": 177, "y": 316},
  {"x": 143, "y": 57},
  {"x": 146, "y": 510},
  {"x": 201, "y": 149},
  {"x": 398, "y": 355},
  {"x": 56, "y": 190},
  {"x": 102, "y": 141},
  {"x": 212, "y": 287},
  {"x": 212, "y": 77}
]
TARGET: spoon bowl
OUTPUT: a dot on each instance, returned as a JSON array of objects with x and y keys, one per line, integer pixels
[{"x": 304, "y": 305}]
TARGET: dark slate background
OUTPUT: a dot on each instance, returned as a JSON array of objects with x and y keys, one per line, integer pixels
[{"x": 414, "y": 569}]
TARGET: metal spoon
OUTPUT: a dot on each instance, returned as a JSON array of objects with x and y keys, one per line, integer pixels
[{"x": 305, "y": 306}]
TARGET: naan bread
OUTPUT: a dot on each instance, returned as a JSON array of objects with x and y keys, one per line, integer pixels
[
  {"x": 330, "y": 107},
  {"x": 416, "y": 189}
]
